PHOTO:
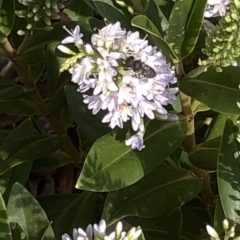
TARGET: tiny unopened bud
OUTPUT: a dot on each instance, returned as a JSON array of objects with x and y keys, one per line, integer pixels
[
  {"x": 29, "y": 26},
  {"x": 30, "y": 15},
  {"x": 89, "y": 50},
  {"x": 218, "y": 69},
  {"x": 47, "y": 20},
  {"x": 225, "y": 224},
  {"x": 130, "y": 9},
  {"x": 37, "y": 17},
  {"x": 21, "y": 32},
  {"x": 66, "y": 50},
  {"x": 237, "y": 3},
  {"x": 121, "y": 3},
  {"x": 211, "y": 232},
  {"x": 118, "y": 230},
  {"x": 48, "y": 12},
  {"x": 36, "y": 8},
  {"x": 21, "y": 13},
  {"x": 48, "y": 28},
  {"x": 60, "y": 6},
  {"x": 48, "y": 3},
  {"x": 55, "y": 16},
  {"x": 54, "y": 5}
]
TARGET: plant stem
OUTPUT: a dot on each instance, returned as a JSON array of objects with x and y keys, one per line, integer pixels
[
  {"x": 40, "y": 104},
  {"x": 190, "y": 142}
]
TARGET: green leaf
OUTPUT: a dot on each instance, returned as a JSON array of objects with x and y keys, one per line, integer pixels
[
  {"x": 27, "y": 149},
  {"x": 20, "y": 107},
  {"x": 175, "y": 220},
  {"x": 42, "y": 234},
  {"x": 162, "y": 190},
  {"x": 205, "y": 156},
  {"x": 36, "y": 71},
  {"x": 111, "y": 167},
  {"x": 54, "y": 160},
  {"x": 21, "y": 172},
  {"x": 7, "y": 16},
  {"x": 5, "y": 233},
  {"x": 3, "y": 135},
  {"x": 96, "y": 23},
  {"x": 155, "y": 14},
  {"x": 193, "y": 27},
  {"x": 58, "y": 99},
  {"x": 90, "y": 124},
  {"x": 79, "y": 11},
  {"x": 144, "y": 23},
  {"x": 217, "y": 125},
  {"x": 228, "y": 175},
  {"x": 53, "y": 65},
  {"x": 80, "y": 212},
  {"x": 177, "y": 24},
  {"x": 53, "y": 205},
  {"x": 207, "y": 86},
  {"x": 111, "y": 11},
  {"x": 10, "y": 90},
  {"x": 36, "y": 56},
  {"x": 218, "y": 217},
  {"x": 23, "y": 209}
]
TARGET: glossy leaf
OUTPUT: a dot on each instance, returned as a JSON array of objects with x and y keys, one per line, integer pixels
[
  {"x": 19, "y": 106},
  {"x": 58, "y": 99},
  {"x": 205, "y": 156},
  {"x": 111, "y": 167},
  {"x": 43, "y": 233},
  {"x": 91, "y": 124},
  {"x": 80, "y": 212},
  {"x": 177, "y": 23},
  {"x": 5, "y": 233},
  {"x": 162, "y": 190},
  {"x": 21, "y": 172},
  {"x": 3, "y": 135},
  {"x": 23, "y": 209},
  {"x": 207, "y": 86},
  {"x": 218, "y": 217},
  {"x": 155, "y": 14},
  {"x": 10, "y": 91},
  {"x": 54, "y": 160},
  {"x": 35, "y": 71},
  {"x": 175, "y": 220},
  {"x": 111, "y": 11},
  {"x": 53, "y": 205},
  {"x": 79, "y": 11},
  {"x": 7, "y": 16},
  {"x": 228, "y": 175},
  {"x": 26, "y": 150},
  {"x": 36, "y": 56},
  {"x": 217, "y": 125},
  {"x": 193, "y": 27},
  {"x": 53, "y": 63}
]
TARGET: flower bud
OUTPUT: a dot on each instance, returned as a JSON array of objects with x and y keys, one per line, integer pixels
[
  {"x": 21, "y": 32},
  {"x": 121, "y": 3},
  {"x": 130, "y": 10}
]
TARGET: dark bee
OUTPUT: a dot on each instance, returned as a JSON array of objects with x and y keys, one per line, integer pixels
[{"x": 139, "y": 67}]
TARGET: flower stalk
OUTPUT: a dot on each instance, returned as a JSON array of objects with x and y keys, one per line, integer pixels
[{"x": 189, "y": 141}]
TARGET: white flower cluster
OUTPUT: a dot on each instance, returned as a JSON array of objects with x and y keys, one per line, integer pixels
[
  {"x": 98, "y": 232},
  {"x": 123, "y": 74},
  {"x": 216, "y": 8}
]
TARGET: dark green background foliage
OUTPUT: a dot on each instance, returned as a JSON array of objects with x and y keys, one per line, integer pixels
[{"x": 158, "y": 188}]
